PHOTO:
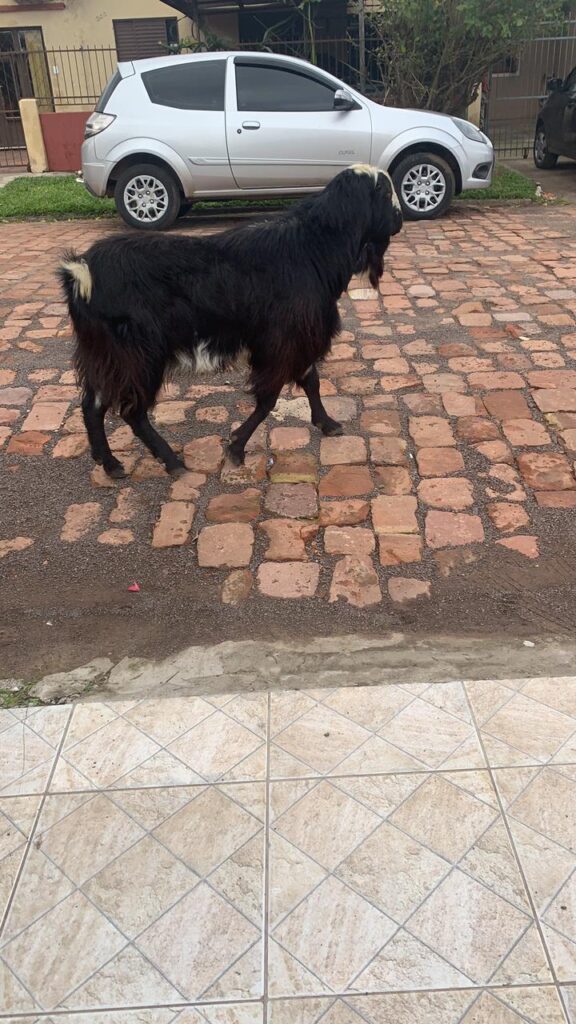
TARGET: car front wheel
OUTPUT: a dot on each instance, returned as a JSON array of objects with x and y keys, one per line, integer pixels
[
  {"x": 425, "y": 186},
  {"x": 147, "y": 197},
  {"x": 543, "y": 158}
]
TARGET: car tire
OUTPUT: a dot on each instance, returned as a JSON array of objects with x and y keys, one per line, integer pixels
[
  {"x": 148, "y": 197},
  {"x": 543, "y": 158},
  {"x": 425, "y": 186},
  {"x": 185, "y": 208}
]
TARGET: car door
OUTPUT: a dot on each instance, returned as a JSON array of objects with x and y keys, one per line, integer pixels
[
  {"x": 569, "y": 116},
  {"x": 186, "y": 113},
  {"x": 282, "y": 129}
]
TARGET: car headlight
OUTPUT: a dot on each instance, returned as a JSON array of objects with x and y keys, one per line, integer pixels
[
  {"x": 97, "y": 123},
  {"x": 469, "y": 130}
]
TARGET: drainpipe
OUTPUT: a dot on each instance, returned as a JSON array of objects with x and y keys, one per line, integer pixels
[{"x": 362, "y": 45}]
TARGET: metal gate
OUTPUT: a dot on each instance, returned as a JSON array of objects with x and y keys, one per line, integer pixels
[
  {"x": 12, "y": 75},
  {"x": 515, "y": 88}
]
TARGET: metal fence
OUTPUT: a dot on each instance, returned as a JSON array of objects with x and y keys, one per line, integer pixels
[
  {"x": 515, "y": 88},
  {"x": 63, "y": 79}
]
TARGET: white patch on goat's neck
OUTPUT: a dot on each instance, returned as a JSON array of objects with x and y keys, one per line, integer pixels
[
  {"x": 371, "y": 172},
  {"x": 186, "y": 361}
]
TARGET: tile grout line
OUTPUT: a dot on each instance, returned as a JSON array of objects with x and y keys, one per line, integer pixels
[
  {"x": 531, "y": 902},
  {"x": 39, "y": 810},
  {"x": 552, "y": 765},
  {"x": 344, "y": 995}
]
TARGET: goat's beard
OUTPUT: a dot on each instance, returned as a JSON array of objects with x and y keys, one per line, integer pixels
[{"x": 371, "y": 262}]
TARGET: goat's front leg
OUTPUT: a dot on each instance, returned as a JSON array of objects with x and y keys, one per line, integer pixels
[
  {"x": 239, "y": 439},
  {"x": 310, "y": 384}
]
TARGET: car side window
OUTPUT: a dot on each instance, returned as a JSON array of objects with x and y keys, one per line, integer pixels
[
  {"x": 274, "y": 88},
  {"x": 198, "y": 85}
]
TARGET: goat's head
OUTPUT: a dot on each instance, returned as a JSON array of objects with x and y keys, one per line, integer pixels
[{"x": 381, "y": 216}]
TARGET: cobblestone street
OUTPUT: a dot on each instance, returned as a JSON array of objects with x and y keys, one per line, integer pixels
[{"x": 446, "y": 502}]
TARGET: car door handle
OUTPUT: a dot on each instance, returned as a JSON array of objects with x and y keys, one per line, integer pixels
[{"x": 251, "y": 126}]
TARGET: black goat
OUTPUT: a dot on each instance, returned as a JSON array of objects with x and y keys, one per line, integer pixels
[{"x": 142, "y": 304}]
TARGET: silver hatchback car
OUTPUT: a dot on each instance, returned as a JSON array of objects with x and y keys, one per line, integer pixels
[{"x": 172, "y": 130}]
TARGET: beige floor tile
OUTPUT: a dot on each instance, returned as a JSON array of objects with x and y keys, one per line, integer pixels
[
  {"x": 432, "y": 736},
  {"x": 228, "y": 1013},
  {"x": 209, "y": 829},
  {"x": 17, "y": 816},
  {"x": 220, "y": 747},
  {"x": 188, "y": 893},
  {"x": 334, "y": 932},
  {"x": 569, "y": 994},
  {"x": 110, "y": 753},
  {"x": 541, "y": 809},
  {"x": 531, "y": 725},
  {"x": 139, "y": 885},
  {"x": 28, "y": 748},
  {"x": 441, "y": 799},
  {"x": 87, "y": 838},
  {"x": 373, "y": 729},
  {"x": 320, "y": 739},
  {"x": 469, "y": 925},
  {"x": 539, "y": 1005},
  {"x": 309, "y": 823},
  {"x": 433, "y": 858},
  {"x": 197, "y": 940},
  {"x": 163, "y": 742},
  {"x": 62, "y": 949}
]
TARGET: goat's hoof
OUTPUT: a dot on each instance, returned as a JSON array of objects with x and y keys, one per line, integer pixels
[
  {"x": 176, "y": 469},
  {"x": 331, "y": 428},
  {"x": 116, "y": 471},
  {"x": 235, "y": 455}
]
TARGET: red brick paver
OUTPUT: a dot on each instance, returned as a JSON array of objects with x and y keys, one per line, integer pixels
[{"x": 456, "y": 385}]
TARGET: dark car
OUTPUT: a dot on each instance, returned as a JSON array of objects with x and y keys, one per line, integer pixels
[{"x": 556, "y": 126}]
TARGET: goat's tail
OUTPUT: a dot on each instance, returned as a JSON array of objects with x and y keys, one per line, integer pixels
[{"x": 74, "y": 273}]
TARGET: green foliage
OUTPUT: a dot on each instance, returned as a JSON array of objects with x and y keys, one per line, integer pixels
[
  {"x": 209, "y": 43},
  {"x": 433, "y": 54}
]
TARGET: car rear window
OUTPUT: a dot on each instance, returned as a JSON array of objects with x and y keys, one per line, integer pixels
[
  {"x": 194, "y": 86},
  {"x": 105, "y": 97}
]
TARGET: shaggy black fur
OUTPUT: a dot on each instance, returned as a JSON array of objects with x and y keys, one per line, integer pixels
[{"x": 140, "y": 304}]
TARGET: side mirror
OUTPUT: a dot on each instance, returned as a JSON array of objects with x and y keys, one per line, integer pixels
[
  {"x": 554, "y": 84},
  {"x": 344, "y": 101}
]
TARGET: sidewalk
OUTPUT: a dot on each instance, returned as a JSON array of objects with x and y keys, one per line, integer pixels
[{"x": 399, "y": 854}]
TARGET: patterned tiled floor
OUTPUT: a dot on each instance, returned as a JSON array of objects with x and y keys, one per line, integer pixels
[
  {"x": 456, "y": 385},
  {"x": 399, "y": 854}
]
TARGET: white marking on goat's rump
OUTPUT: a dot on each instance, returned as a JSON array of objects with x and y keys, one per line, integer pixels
[
  {"x": 97, "y": 400},
  {"x": 80, "y": 271}
]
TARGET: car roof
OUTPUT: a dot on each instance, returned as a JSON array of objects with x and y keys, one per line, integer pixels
[{"x": 151, "y": 63}]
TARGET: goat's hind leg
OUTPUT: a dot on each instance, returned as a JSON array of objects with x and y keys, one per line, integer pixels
[
  {"x": 94, "y": 412},
  {"x": 138, "y": 420},
  {"x": 310, "y": 384}
]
